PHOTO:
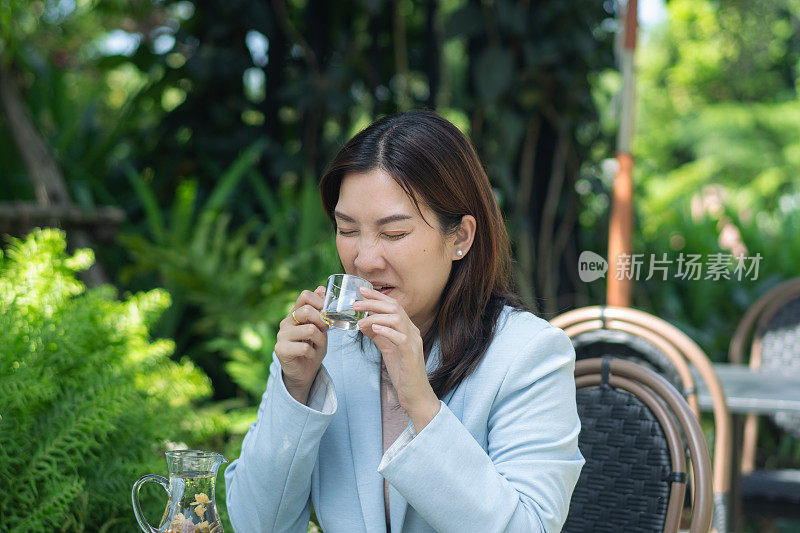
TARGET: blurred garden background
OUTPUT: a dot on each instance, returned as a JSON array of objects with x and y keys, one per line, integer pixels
[{"x": 176, "y": 146}]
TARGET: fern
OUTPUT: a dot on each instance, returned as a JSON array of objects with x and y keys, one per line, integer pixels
[
  {"x": 232, "y": 284},
  {"x": 87, "y": 399},
  {"x": 47, "y": 515}
]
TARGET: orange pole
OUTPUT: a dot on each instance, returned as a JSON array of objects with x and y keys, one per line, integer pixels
[
  {"x": 618, "y": 291},
  {"x": 620, "y": 229},
  {"x": 631, "y": 25}
]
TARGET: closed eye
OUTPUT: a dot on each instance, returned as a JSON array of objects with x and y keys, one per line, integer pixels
[
  {"x": 345, "y": 233},
  {"x": 394, "y": 236}
]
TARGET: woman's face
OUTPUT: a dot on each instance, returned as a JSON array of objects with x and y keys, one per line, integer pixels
[{"x": 380, "y": 236}]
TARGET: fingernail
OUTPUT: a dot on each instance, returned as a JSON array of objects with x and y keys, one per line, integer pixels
[
  {"x": 363, "y": 290},
  {"x": 377, "y": 327}
]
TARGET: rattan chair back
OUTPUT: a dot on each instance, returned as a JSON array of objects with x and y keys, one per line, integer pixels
[
  {"x": 625, "y": 345},
  {"x": 634, "y": 479},
  {"x": 668, "y": 351},
  {"x": 777, "y": 345}
]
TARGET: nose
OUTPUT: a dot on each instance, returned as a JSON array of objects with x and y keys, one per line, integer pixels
[{"x": 369, "y": 257}]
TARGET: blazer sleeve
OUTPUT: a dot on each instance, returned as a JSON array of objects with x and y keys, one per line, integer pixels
[
  {"x": 268, "y": 488},
  {"x": 524, "y": 481}
]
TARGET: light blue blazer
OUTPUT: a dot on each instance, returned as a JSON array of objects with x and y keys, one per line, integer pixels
[{"x": 500, "y": 456}]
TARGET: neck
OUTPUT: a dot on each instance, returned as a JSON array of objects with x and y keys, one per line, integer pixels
[{"x": 424, "y": 325}]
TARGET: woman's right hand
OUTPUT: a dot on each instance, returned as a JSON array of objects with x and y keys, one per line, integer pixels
[{"x": 302, "y": 343}]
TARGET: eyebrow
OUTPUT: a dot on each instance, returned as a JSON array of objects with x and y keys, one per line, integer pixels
[{"x": 381, "y": 222}]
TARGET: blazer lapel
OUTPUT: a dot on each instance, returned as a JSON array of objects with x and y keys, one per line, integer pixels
[{"x": 361, "y": 375}]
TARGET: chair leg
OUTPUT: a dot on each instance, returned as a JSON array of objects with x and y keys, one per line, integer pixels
[
  {"x": 735, "y": 521},
  {"x": 749, "y": 444}
]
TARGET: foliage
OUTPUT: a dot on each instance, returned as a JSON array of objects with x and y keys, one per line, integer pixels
[
  {"x": 200, "y": 82},
  {"x": 231, "y": 111},
  {"x": 84, "y": 101},
  {"x": 717, "y": 164},
  {"x": 735, "y": 50},
  {"x": 522, "y": 76},
  {"x": 221, "y": 117},
  {"x": 88, "y": 400},
  {"x": 232, "y": 286},
  {"x": 717, "y": 172}
]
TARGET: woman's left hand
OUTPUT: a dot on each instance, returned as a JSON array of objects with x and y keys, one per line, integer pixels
[{"x": 400, "y": 342}]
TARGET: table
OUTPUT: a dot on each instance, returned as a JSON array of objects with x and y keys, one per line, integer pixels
[
  {"x": 762, "y": 392},
  {"x": 753, "y": 391}
]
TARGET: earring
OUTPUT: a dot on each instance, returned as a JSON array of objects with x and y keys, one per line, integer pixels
[{"x": 459, "y": 253}]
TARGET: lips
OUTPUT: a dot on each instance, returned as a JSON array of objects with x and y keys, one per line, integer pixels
[{"x": 382, "y": 288}]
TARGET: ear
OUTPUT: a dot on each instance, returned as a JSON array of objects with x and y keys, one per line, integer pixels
[{"x": 464, "y": 237}]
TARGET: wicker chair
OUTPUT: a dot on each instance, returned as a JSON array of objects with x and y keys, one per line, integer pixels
[
  {"x": 634, "y": 479},
  {"x": 652, "y": 342},
  {"x": 773, "y": 322}
]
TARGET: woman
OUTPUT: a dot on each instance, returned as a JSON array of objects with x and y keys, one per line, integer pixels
[{"x": 452, "y": 409}]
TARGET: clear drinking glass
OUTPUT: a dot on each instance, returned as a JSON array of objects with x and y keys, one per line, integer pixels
[{"x": 341, "y": 292}]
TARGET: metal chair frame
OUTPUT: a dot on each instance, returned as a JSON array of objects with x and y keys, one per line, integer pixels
[{"x": 676, "y": 418}]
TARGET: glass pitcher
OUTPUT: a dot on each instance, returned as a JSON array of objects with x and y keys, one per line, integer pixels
[{"x": 191, "y": 507}]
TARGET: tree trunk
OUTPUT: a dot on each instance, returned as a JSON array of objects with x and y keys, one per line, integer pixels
[{"x": 48, "y": 182}]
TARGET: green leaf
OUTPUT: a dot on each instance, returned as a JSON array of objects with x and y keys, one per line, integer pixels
[
  {"x": 149, "y": 202},
  {"x": 88, "y": 398},
  {"x": 230, "y": 179},
  {"x": 183, "y": 210}
]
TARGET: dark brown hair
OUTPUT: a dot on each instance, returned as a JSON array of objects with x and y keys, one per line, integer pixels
[{"x": 435, "y": 164}]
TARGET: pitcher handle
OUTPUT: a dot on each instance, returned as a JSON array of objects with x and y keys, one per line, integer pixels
[{"x": 137, "y": 509}]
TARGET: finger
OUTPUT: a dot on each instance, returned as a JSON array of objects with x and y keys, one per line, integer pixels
[
  {"x": 378, "y": 306},
  {"x": 397, "y": 338},
  {"x": 305, "y": 332},
  {"x": 393, "y": 321},
  {"x": 290, "y": 350},
  {"x": 310, "y": 315},
  {"x": 372, "y": 293},
  {"x": 313, "y": 299}
]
